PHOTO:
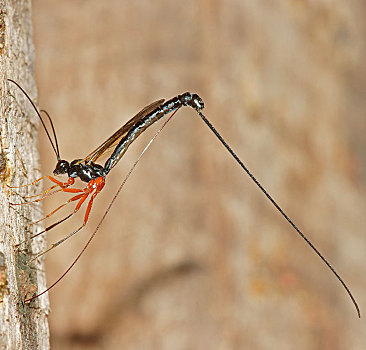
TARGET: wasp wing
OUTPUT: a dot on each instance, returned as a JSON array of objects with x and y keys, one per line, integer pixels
[{"x": 107, "y": 145}]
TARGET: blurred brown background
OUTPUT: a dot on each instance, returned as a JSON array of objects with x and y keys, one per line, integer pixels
[{"x": 192, "y": 255}]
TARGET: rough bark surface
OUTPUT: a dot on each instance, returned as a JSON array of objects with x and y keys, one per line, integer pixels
[
  {"x": 22, "y": 326},
  {"x": 192, "y": 256}
]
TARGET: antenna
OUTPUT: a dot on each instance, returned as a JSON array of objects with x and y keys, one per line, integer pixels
[
  {"x": 53, "y": 131},
  {"x": 39, "y": 115}
]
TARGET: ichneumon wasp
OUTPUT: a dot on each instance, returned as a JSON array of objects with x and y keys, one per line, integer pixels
[{"x": 87, "y": 170}]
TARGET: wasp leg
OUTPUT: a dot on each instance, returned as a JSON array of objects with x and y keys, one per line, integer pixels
[
  {"x": 63, "y": 187},
  {"x": 75, "y": 198},
  {"x": 30, "y": 184},
  {"x": 96, "y": 185}
]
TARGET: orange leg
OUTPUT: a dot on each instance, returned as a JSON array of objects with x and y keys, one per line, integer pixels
[
  {"x": 58, "y": 183},
  {"x": 99, "y": 184},
  {"x": 46, "y": 193},
  {"x": 43, "y": 193},
  {"x": 69, "y": 182},
  {"x": 75, "y": 198},
  {"x": 63, "y": 188},
  {"x": 96, "y": 185},
  {"x": 81, "y": 197},
  {"x": 31, "y": 184},
  {"x": 62, "y": 185}
]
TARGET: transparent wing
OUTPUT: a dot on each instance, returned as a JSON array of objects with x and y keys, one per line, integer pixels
[{"x": 106, "y": 147}]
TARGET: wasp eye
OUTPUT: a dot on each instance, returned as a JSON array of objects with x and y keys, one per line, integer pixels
[{"x": 62, "y": 167}]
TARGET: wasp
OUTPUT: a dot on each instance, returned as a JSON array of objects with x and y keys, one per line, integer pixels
[{"x": 94, "y": 174}]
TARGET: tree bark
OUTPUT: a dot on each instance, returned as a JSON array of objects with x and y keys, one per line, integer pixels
[{"x": 23, "y": 325}]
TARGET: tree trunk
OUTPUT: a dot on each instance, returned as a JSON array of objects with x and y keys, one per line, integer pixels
[{"x": 23, "y": 325}]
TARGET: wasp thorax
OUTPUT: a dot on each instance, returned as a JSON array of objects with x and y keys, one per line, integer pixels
[{"x": 62, "y": 167}]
